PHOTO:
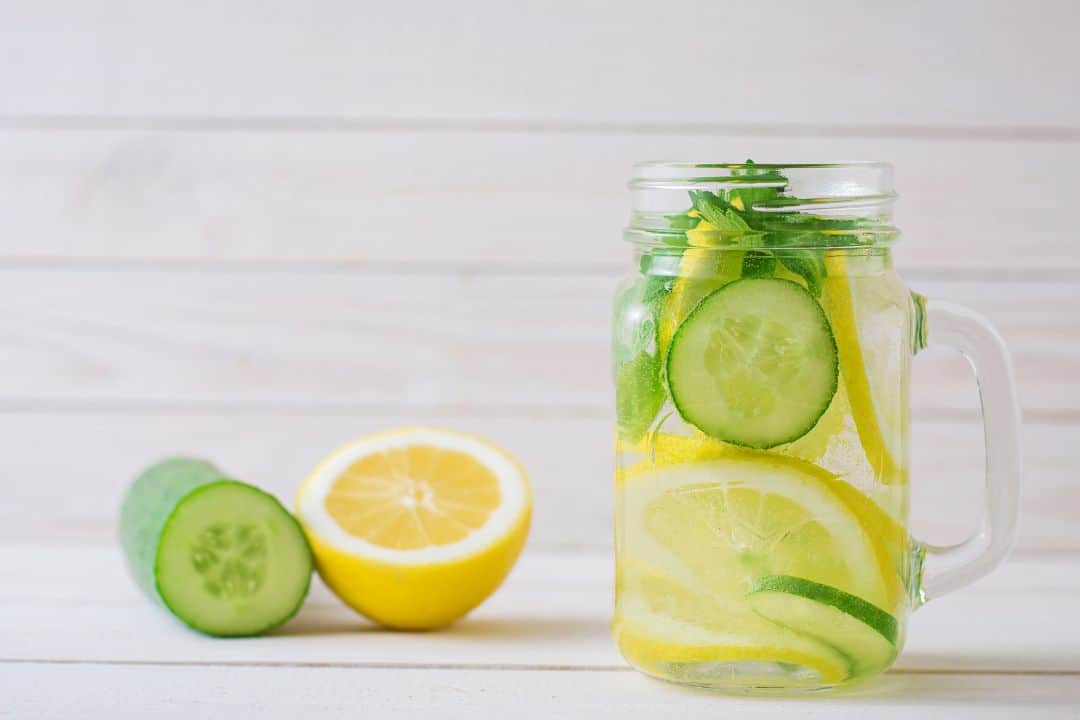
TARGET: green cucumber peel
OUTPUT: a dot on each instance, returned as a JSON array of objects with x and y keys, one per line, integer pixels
[
  {"x": 224, "y": 557},
  {"x": 869, "y": 614},
  {"x": 709, "y": 379}
]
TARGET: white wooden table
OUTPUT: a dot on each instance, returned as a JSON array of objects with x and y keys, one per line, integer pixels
[
  {"x": 254, "y": 230},
  {"x": 78, "y": 640}
]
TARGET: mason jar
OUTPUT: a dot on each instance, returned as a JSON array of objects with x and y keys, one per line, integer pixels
[{"x": 762, "y": 349}]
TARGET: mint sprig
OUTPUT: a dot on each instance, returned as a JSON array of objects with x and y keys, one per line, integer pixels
[
  {"x": 733, "y": 211},
  {"x": 718, "y": 211}
]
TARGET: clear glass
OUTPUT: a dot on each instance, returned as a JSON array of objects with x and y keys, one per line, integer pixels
[{"x": 762, "y": 350}]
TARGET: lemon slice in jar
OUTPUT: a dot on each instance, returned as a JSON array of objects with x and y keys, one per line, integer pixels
[{"x": 865, "y": 311}]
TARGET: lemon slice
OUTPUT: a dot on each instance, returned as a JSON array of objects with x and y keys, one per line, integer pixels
[
  {"x": 702, "y": 269},
  {"x": 732, "y": 520},
  {"x": 659, "y": 448},
  {"x": 700, "y": 536},
  {"x": 661, "y": 621},
  {"x": 416, "y": 527},
  {"x": 891, "y": 541},
  {"x": 865, "y": 312},
  {"x": 682, "y": 444}
]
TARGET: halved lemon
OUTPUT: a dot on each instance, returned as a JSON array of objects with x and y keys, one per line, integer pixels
[
  {"x": 414, "y": 528},
  {"x": 865, "y": 312}
]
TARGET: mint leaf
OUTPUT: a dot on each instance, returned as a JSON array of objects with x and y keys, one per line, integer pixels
[
  {"x": 717, "y": 212},
  {"x": 807, "y": 264},
  {"x": 639, "y": 395},
  {"x": 683, "y": 222},
  {"x": 743, "y": 199},
  {"x": 709, "y": 206},
  {"x": 736, "y": 220},
  {"x": 758, "y": 263}
]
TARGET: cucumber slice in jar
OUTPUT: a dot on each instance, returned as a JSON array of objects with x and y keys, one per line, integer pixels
[
  {"x": 863, "y": 632},
  {"x": 754, "y": 364},
  {"x": 221, "y": 555}
]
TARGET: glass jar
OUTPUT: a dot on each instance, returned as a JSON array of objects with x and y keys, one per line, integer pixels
[{"x": 762, "y": 348}]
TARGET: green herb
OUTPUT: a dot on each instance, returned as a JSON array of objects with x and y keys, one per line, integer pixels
[
  {"x": 807, "y": 264},
  {"x": 758, "y": 263},
  {"x": 683, "y": 221},
  {"x": 717, "y": 211},
  {"x": 639, "y": 395},
  {"x": 757, "y": 211}
]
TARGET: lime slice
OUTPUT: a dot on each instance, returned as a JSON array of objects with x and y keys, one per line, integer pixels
[{"x": 865, "y": 311}]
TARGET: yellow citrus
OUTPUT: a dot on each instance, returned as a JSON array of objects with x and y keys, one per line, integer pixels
[{"x": 416, "y": 527}]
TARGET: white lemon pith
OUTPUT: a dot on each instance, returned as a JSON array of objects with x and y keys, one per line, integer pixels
[{"x": 416, "y": 527}]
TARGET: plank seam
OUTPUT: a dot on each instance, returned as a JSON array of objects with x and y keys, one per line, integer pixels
[
  {"x": 602, "y": 271},
  {"x": 27, "y": 405},
  {"x": 498, "y": 667},
  {"x": 538, "y": 126}
]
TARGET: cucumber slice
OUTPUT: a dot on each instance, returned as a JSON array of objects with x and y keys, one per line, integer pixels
[
  {"x": 754, "y": 364},
  {"x": 224, "y": 557},
  {"x": 862, "y": 631}
]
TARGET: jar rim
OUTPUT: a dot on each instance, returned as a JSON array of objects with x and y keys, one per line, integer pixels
[
  {"x": 850, "y": 202},
  {"x": 875, "y": 176},
  {"x": 644, "y": 164}
]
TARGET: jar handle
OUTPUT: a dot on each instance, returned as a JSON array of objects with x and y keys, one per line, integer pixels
[{"x": 945, "y": 569}]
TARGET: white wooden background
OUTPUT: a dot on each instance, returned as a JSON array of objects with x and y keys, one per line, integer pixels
[{"x": 254, "y": 230}]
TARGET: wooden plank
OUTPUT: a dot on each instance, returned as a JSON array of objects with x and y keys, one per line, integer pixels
[
  {"x": 744, "y": 62},
  {"x": 552, "y": 613},
  {"x": 68, "y": 471},
  {"x": 467, "y": 199},
  {"x": 347, "y": 340},
  {"x": 569, "y": 459},
  {"x": 271, "y": 693}
]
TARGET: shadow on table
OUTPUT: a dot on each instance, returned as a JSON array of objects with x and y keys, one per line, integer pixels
[
  {"x": 530, "y": 628},
  {"x": 917, "y": 688},
  {"x": 984, "y": 663},
  {"x": 334, "y": 620},
  {"x": 964, "y": 688}
]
